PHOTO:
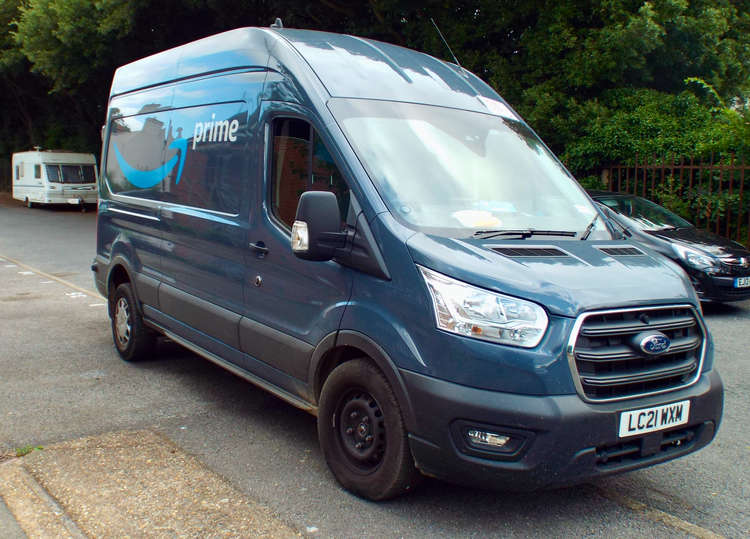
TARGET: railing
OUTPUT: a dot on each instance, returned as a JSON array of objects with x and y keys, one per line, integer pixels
[{"x": 713, "y": 194}]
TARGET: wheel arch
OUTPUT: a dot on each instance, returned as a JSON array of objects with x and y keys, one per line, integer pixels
[
  {"x": 118, "y": 274},
  {"x": 337, "y": 348}
]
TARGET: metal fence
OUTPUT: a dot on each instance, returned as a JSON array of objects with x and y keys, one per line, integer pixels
[{"x": 713, "y": 193}]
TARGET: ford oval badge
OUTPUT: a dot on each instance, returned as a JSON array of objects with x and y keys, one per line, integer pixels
[{"x": 654, "y": 343}]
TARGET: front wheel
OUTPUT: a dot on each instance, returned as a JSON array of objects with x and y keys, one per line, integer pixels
[
  {"x": 133, "y": 340},
  {"x": 362, "y": 434}
]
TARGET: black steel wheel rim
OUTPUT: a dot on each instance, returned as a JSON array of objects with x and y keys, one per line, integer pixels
[{"x": 361, "y": 430}]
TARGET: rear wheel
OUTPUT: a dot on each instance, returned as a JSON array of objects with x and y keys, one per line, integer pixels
[
  {"x": 362, "y": 434},
  {"x": 133, "y": 340}
]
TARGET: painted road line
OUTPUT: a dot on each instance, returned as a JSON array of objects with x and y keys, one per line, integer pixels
[
  {"x": 46, "y": 275},
  {"x": 656, "y": 515}
]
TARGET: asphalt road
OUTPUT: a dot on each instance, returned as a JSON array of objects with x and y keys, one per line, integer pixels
[{"x": 60, "y": 379}]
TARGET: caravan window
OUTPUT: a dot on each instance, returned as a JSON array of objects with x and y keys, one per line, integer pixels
[
  {"x": 89, "y": 176},
  {"x": 37, "y": 171},
  {"x": 53, "y": 173},
  {"x": 71, "y": 173}
]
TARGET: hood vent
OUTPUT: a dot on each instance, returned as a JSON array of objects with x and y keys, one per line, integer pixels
[
  {"x": 522, "y": 252},
  {"x": 621, "y": 251}
]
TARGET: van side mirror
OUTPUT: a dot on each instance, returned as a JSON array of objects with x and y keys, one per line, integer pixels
[{"x": 316, "y": 232}]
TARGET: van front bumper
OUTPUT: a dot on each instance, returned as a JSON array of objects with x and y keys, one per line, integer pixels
[{"x": 553, "y": 440}]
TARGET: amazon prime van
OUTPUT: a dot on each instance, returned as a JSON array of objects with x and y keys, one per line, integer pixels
[
  {"x": 376, "y": 237},
  {"x": 54, "y": 177}
]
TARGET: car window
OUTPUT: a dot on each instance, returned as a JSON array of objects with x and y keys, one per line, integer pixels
[{"x": 643, "y": 213}]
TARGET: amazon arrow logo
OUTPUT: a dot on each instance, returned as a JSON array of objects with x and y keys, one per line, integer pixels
[{"x": 148, "y": 178}]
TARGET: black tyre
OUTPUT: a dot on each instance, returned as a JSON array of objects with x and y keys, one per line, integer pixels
[
  {"x": 133, "y": 340},
  {"x": 362, "y": 433}
]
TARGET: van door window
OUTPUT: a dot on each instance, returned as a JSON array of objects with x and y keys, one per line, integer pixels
[{"x": 301, "y": 162}]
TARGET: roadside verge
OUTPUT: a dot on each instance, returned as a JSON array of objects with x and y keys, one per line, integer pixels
[{"x": 131, "y": 483}]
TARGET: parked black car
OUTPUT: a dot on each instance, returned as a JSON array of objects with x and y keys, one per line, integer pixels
[{"x": 719, "y": 268}]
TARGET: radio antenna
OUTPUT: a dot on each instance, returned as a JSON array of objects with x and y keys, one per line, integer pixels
[{"x": 446, "y": 43}]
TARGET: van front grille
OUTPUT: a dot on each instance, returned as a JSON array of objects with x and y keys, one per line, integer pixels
[{"x": 609, "y": 363}]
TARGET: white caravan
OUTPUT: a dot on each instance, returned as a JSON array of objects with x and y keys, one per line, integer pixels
[{"x": 54, "y": 177}]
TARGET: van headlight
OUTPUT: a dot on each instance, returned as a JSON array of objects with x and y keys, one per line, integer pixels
[
  {"x": 473, "y": 312},
  {"x": 694, "y": 258}
]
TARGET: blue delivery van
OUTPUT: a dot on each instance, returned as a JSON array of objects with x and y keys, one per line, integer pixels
[{"x": 375, "y": 236}]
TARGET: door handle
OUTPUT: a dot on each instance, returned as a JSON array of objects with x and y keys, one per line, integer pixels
[{"x": 259, "y": 247}]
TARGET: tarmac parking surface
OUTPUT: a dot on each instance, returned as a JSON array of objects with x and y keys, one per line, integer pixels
[{"x": 61, "y": 379}]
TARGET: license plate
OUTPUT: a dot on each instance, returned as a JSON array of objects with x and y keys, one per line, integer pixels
[
  {"x": 652, "y": 419},
  {"x": 742, "y": 282}
]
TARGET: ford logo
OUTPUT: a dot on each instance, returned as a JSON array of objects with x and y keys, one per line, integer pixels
[{"x": 653, "y": 343}]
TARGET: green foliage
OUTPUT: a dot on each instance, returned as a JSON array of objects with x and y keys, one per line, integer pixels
[
  {"x": 593, "y": 182},
  {"x": 23, "y": 451},
  {"x": 599, "y": 80},
  {"x": 695, "y": 204},
  {"x": 69, "y": 40}
]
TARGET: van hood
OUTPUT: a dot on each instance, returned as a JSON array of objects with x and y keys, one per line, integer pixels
[{"x": 566, "y": 277}]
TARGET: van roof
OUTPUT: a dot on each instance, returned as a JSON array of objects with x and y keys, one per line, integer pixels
[{"x": 347, "y": 66}]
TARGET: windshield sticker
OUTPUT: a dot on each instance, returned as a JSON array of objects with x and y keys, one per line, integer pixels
[{"x": 476, "y": 218}]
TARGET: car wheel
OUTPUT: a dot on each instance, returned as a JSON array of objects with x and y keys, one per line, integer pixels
[
  {"x": 362, "y": 434},
  {"x": 133, "y": 340}
]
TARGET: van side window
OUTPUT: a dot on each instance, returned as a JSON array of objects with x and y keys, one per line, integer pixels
[
  {"x": 37, "y": 171},
  {"x": 300, "y": 162},
  {"x": 191, "y": 156},
  {"x": 18, "y": 176}
]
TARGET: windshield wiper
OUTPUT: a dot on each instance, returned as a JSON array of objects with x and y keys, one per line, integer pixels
[
  {"x": 522, "y": 233},
  {"x": 587, "y": 232}
]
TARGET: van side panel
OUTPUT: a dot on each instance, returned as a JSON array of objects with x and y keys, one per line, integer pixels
[
  {"x": 129, "y": 217},
  {"x": 205, "y": 209},
  {"x": 179, "y": 167}
]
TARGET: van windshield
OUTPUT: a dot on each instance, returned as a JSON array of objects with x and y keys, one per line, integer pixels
[{"x": 455, "y": 172}]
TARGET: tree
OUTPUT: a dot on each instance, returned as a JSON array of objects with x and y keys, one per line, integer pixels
[{"x": 599, "y": 80}]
